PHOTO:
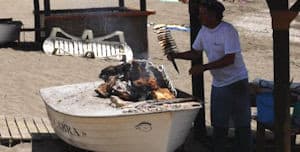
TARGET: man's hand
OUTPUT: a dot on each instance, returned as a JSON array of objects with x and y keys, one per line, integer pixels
[
  {"x": 184, "y": 1},
  {"x": 197, "y": 69},
  {"x": 171, "y": 56}
]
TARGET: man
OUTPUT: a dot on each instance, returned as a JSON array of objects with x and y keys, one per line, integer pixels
[{"x": 230, "y": 95}]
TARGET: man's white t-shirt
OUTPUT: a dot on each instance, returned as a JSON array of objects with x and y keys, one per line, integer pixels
[{"x": 217, "y": 42}]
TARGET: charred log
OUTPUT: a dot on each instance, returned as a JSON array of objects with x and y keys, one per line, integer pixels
[
  {"x": 104, "y": 90},
  {"x": 120, "y": 71}
]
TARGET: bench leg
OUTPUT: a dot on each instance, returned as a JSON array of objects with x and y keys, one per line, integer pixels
[
  {"x": 293, "y": 142},
  {"x": 260, "y": 138}
]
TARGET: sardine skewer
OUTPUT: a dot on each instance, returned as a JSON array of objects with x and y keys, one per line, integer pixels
[{"x": 166, "y": 42}]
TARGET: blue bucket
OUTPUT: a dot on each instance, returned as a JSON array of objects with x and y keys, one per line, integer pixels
[
  {"x": 265, "y": 107},
  {"x": 296, "y": 114}
]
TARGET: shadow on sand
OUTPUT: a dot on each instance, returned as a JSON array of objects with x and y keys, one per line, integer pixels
[
  {"x": 51, "y": 143},
  {"x": 23, "y": 46}
]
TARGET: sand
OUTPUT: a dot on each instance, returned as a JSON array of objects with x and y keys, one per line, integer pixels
[{"x": 24, "y": 73}]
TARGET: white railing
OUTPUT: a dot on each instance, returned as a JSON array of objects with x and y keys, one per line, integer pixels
[{"x": 87, "y": 45}]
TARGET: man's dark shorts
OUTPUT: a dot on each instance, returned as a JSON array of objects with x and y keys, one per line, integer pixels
[{"x": 231, "y": 102}]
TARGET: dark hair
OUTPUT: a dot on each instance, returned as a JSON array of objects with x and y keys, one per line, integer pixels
[{"x": 214, "y": 6}]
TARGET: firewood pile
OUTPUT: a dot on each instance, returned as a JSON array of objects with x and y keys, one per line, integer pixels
[{"x": 138, "y": 80}]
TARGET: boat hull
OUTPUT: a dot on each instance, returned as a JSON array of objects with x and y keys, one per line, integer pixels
[
  {"x": 154, "y": 132},
  {"x": 86, "y": 121}
]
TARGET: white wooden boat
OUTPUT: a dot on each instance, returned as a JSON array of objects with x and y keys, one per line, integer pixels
[{"x": 79, "y": 119}]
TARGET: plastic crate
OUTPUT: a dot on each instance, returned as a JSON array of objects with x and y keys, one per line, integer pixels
[{"x": 265, "y": 107}]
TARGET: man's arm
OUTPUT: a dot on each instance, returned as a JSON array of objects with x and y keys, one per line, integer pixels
[
  {"x": 184, "y": 1},
  {"x": 188, "y": 55},
  {"x": 227, "y": 60}
]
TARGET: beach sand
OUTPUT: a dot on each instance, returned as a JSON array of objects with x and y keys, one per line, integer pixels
[{"x": 24, "y": 73}]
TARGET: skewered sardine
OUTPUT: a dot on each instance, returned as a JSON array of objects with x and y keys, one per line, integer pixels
[{"x": 166, "y": 41}]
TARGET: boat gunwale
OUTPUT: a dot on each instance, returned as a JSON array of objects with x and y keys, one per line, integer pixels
[
  {"x": 187, "y": 98},
  {"x": 198, "y": 106}
]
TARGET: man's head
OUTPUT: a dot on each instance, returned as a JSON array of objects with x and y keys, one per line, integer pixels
[{"x": 211, "y": 12}]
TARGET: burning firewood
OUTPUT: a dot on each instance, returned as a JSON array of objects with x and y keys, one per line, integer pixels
[
  {"x": 162, "y": 94},
  {"x": 136, "y": 81},
  {"x": 122, "y": 90},
  {"x": 119, "y": 71},
  {"x": 104, "y": 89},
  {"x": 150, "y": 83}
]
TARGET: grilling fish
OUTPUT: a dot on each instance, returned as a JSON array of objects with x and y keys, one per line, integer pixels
[{"x": 166, "y": 41}]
